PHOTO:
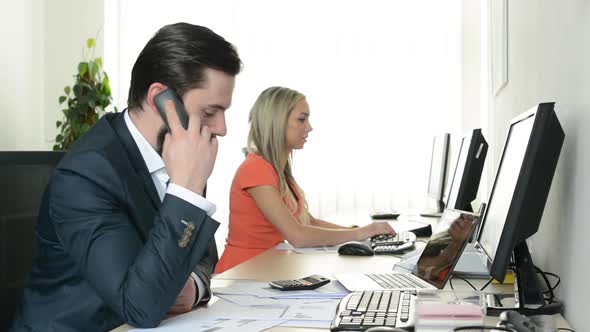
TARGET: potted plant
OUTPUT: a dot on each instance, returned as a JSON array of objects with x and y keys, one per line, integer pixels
[{"x": 85, "y": 101}]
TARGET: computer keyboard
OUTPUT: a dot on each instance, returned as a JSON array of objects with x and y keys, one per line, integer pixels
[
  {"x": 387, "y": 239},
  {"x": 392, "y": 249},
  {"x": 393, "y": 244},
  {"x": 359, "y": 311},
  {"x": 397, "y": 280}
]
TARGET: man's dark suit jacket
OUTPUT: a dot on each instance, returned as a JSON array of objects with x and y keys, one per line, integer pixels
[{"x": 109, "y": 248}]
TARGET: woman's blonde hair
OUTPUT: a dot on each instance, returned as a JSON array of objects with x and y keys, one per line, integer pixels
[{"x": 267, "y": 137}]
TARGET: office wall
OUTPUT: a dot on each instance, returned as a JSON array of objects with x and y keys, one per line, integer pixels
[
  {"x": 42, "y": 45},
  {"x": 21, "y": 74},
  {"x": 549, "y": 48},
  {"x": 471, "y": 64}
]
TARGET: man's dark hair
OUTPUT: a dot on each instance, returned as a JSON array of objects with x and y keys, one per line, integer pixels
[{"x": 177, "y": 56}]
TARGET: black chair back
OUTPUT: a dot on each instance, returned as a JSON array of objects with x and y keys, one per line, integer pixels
[{"x": 23, "y": 178}]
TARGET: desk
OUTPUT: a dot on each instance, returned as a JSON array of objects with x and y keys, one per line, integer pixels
[
  {"x": 280, "y": 264},
  {"x": 277, "y": 264}
]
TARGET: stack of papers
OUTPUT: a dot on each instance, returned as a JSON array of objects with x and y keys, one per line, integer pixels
[
  {"x": 247, "y": 305},
  {"x": 222, "y": 315},
  {"x": 310, "y": 250},
  {"x": 260, "y": 289}
]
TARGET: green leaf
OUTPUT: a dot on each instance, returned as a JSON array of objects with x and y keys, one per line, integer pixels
[
  {"x": 59, "y": 138},
  {"x": 98, "y": 62},
  {"x": 58, "y": 123},
  {"x": 106, "y": 87},
  {"x": 82, "y": 69},
  {"x": 93, "y": 67},
  {"x": 62, "y": 99},
  {"x": 90, "y": 42},
  {"x": 56, "y": 147},
  {"x": 67, "y": 90},
  {"x": 77, "y": 90}
]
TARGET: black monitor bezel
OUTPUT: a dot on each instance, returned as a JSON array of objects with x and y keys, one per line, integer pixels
[
  {"x": 512, "y": 232},
  {"x": 468, "y": 185},
  {"x": 440, "y": 195}
]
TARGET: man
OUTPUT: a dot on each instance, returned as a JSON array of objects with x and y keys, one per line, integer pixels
[{"x": 125, "y": 235}]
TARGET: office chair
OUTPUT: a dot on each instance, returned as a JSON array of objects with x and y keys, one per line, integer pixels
[{"x": 23, "y": 178}]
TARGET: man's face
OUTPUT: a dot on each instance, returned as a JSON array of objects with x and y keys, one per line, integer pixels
[{"x": 208, "y": 102}]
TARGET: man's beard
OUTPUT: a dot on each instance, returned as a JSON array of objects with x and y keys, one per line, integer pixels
[{"x": 160, "y": 139}]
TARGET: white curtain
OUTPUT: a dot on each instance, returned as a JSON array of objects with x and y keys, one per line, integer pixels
[{"x": 381, "y": 77}]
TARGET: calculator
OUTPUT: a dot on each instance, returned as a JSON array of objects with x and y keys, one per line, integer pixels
[{"x": 311, "y": 282}]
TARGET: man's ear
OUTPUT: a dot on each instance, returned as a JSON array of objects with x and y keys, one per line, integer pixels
[{"x": 153, "y": 90}]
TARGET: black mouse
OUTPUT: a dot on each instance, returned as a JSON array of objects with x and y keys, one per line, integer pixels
[
  {"x": 355, "y": 249},
  {"x": 384, "y": 329}
]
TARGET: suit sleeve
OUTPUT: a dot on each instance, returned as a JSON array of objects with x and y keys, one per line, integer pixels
[
  {"x": 204, "y": 270},
  {"x": 137, "y": 278}
]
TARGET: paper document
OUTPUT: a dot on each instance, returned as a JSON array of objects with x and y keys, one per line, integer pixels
[
  {"x": 311, "y": 324},
  {"x": 242, "y": 325},
  {"x": 333, "y": 290},
  {"x": 312, "y": 311},
  {"x": 249, "y": 300},
  {"x": 310, "y": 250},
  {"x": 223, "y": 315}
]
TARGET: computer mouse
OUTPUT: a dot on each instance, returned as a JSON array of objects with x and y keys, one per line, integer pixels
[
  {"x": 384, "y": 329},
  {"x": 355, "y": 249}
]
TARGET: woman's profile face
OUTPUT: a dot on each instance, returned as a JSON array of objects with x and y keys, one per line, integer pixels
[{"x": 298, "y": 126}]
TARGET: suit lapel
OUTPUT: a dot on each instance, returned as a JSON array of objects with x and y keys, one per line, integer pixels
[{"x": 136, "y": 159}]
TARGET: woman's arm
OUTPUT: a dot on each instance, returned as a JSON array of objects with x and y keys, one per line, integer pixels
[
  {"x": 326, "y": 224},
  {"x": 273, "y": 208}
]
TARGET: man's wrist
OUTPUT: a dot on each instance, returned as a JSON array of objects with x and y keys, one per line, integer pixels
[
  {"x": 194, "y": 199},
  {"x": 196, "y": 290},
  {"x": 201, "y": 289},
  {"x": 197, "y": 189}
]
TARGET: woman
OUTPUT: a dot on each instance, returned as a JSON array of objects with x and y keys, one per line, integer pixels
[{"x": 267, "y": 206}]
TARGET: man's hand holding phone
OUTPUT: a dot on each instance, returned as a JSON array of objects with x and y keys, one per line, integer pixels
[{"x": 189, "y": 154}]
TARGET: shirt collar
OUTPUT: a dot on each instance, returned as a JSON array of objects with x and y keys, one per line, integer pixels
[{"x": 152, "y": 159}]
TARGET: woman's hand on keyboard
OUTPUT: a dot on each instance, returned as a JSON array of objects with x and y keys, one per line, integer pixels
[{"x": 377, "y": 228}]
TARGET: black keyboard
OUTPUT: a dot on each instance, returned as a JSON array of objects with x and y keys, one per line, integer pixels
[
  {"x": 387, "y": 239},
  {"x": 359, "y": 311}
]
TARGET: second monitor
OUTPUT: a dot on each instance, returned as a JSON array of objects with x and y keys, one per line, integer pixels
[
  {"x": 438, "y": 175},
  {"x": 468, "y": 170}
]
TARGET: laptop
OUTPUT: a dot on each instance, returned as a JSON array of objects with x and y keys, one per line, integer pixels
[{"x": 435, "y": 265}]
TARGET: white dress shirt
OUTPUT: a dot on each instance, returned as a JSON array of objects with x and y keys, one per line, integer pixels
[{"x": 157, "y": 169}]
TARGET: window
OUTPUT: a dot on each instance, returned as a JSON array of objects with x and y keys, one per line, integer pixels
[{"x": 381, "y": 77}]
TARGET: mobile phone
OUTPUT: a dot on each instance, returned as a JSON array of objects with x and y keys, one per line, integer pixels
[
  {"x": 311, "y": 282},
  {"x": 160, "y": 101}
]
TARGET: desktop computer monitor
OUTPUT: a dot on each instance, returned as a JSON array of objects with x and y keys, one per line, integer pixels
[
  {"x": 438, "y": 174},
  {"x": 518, "y": 197},
  {"x": 468, "y": 169}
]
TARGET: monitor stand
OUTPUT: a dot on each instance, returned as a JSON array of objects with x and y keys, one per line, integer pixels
[
  {"x": 528, "y": 295},
  {"x": 435, "y": 213}
]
